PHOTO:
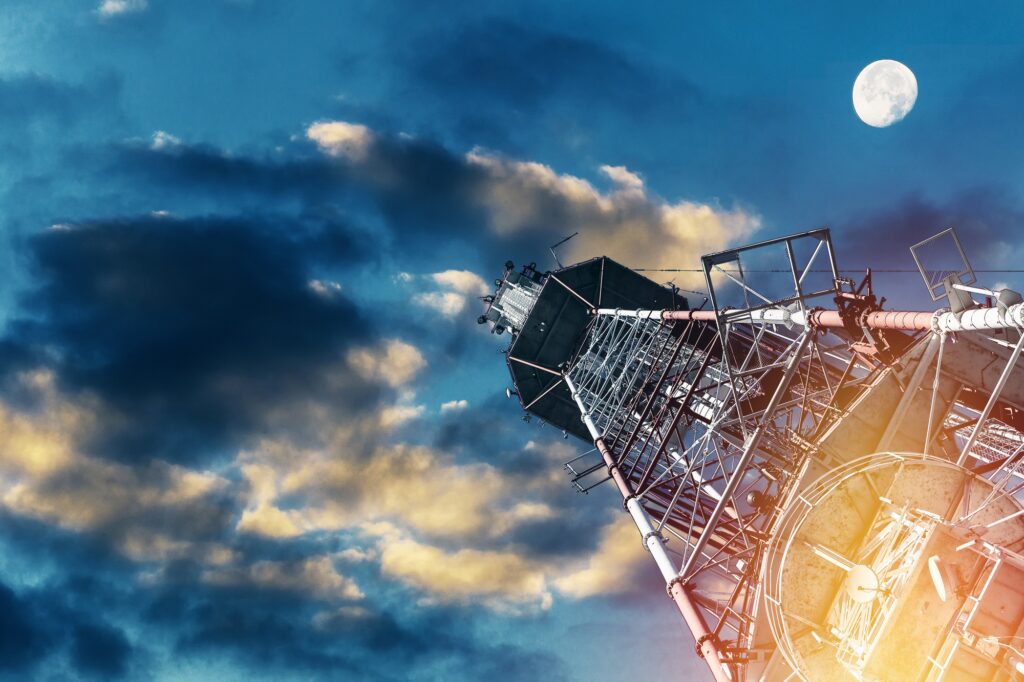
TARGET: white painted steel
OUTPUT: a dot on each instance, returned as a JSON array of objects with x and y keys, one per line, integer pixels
[
  {"x": 977, "y": 319},
  {"x": 640, "y": 516}
]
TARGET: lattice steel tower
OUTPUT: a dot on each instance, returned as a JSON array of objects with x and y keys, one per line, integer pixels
[{"x": 830, "y": 490}]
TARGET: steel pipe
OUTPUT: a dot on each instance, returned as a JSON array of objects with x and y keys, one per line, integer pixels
[{"x": 976, "y": 319}]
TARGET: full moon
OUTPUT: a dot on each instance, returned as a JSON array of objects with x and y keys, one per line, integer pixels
[{"x": 884, "y": 92}]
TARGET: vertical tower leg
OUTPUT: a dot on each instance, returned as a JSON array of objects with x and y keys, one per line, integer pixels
[{"x": 707, "y": 646}]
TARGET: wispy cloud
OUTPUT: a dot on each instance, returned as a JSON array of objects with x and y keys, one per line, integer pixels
[
  {"x": 339, "y": 138},
  {"x": 113, "y": 8},
  {"x": 454, "y": 406},
  {"x": 455, "y": 287},
  {"x": 394, "y": 361}
]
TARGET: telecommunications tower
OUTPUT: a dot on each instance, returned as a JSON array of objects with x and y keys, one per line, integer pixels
[{"x": 832, "y": 491}]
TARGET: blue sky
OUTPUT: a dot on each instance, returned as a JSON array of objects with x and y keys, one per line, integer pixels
[{"x": 251, "y": 428}]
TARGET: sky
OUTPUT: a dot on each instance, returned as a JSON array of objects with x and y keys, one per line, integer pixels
[{"x": 249, "y": 429}]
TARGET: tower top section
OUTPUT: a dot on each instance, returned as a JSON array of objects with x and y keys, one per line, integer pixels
[{"x": 548, "y": 315}]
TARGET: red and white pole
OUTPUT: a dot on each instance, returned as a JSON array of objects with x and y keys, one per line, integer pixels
[
  {"x": 707, "y": 644},
  {"x": 976, "y": 319}
]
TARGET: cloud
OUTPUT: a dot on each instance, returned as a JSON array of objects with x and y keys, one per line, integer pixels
[
  {"x": 629, "y": 223},
  {"x": 191, "y": 331},
  {"x": 112, "y": 8},
  {"x": 502, "y": 580},
  {"x": 161, "y": 513},
  {"x": 416, "y": 504},
  {"x": 500, "y": 206},
  {"x": 23, "y": 643},
  {"x": 325, "y": 288},
  {"x": 193, "y": 403},
  {"x": 489, "y": 75},
  {"x": 30, "y": 100},
  {"x": 355, "y": 554},
  {"x": 507, "y": 580},
  {"x": 412, "y": 485},
  {"x": 210, "y": 366},
  {"x": 623, "y": 177},
  {"x": 462, "y": 282},
  {"x": 612, "y": 568},
  {"x": 454, "y": 405},
  {"x": 339, "y": 138},
  {"x": 394, "y": 362},
  {"x": 315, "y": 576},
  {"x": 980, "y": 216},
  {"x": 457, "y": 286},
  {"x": 89, "y": 493},
  {"x": 157, "y": 512},
  {"x": 100, "y": 650},
  {"x": 393, "y": 416},
  {"x": 269, "y": 521},
  {"x": 40, "y": 622},
  {"x": 163, "y": 140},
  {"x": 448, "y": 303}
]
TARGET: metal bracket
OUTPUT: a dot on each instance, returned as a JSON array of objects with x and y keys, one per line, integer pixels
[{"x": 940, "y": 287}]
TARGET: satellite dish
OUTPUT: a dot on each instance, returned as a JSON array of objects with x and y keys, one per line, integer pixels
[
  {"x": 509, "y": 393},
  {"x": 862, "y": 584}
]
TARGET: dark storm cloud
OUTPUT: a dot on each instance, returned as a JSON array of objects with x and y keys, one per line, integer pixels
[
  {"x": 421, "y": 188},
  {"x": 287, "y": 632},
  {"x": 23, "y": 642},
  {"x": 38, "y": 623},
  {"x": 185, "y": 165},
  {"x": 269, "y": 631},
  {"x": 985, "y": 219},
  {"x": 262, "y": 638},
  {"x": 504, "y": 83},
  {"x": 100, "y": 650},
  {"x": 434, "y": 202},
  {"x": 512, "y": 65},
  {"x": 272, "y": 633},
  {"x": 34, "y": 98},
  {"x": 194, "y": 330}
]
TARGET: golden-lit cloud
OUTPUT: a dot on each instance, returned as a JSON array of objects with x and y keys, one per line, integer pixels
[
  {"x": 44, "y": 476},
  {"x": 461, "y": 281},
  {"x": 394, "y": 362},
  {"x": 439, "y": 526},
  {"x": 86, "y": 493},
  {"x": 456, "y": 288},
  {"x": 416, "y": 486},
  {"x": 629, "y": 222},
  {"x": 623, "y": 177},
  {"x": 145, "y": 545},
  {"x": 448, "y": 303},
  {"x": 316, "y": 576},
  {"x": 434, "y": 522},
  {"x": 611, "y": 567},
  {"x": 339, "y": 138},
  {"x": 393, "y": 416},
  {"x": 503, "y": 580},
  {"x": 268, "y": 521},
  {"x": 506, "y": 580},
  {"x": 39, "y": 444}
]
